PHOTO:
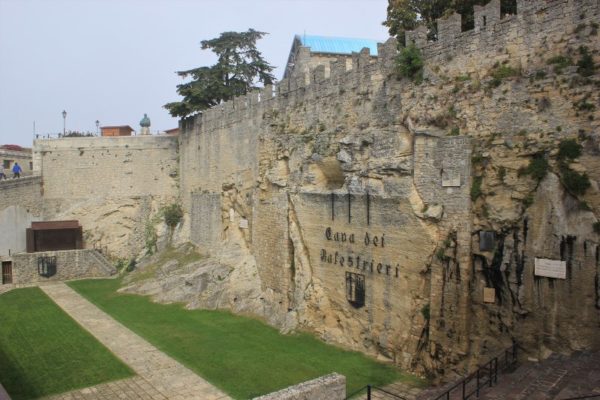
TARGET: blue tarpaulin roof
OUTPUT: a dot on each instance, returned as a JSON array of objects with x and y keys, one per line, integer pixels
[{"x": 336, "y": 45}]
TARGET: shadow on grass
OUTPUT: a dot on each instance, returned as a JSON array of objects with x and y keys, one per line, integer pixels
[{"x": 44, "y": 352}]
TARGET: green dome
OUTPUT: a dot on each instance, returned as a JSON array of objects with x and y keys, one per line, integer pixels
[{"x": 145, "y": 122}]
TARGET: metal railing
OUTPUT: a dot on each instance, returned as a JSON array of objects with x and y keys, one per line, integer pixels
[
  {"x": 370, "y": 390},
  {"x": 485, "y": 375}
]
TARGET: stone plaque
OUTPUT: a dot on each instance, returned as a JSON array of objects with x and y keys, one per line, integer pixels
[
  {"x": 244, "y": 223},
  {"x": 489, "y": 295},
  {"x": 451, "y": 179},
  {"x": 551, "y": 268},
  {"x": 231, "y": 215}
]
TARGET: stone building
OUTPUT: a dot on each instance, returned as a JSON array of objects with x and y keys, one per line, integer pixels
[
  {"x": 11, "y": 154},
  {"x": 310, "y": 51}
]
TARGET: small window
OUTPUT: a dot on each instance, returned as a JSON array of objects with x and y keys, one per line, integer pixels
[
  {"x": 31, "y": 165},
  {"x": 7, "y": 163},
  {"x": 484, "y": 20},
  {"x": 355, "y": 289}
]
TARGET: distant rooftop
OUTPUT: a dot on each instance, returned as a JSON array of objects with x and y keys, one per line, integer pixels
[{"x": 336, "y": 45}]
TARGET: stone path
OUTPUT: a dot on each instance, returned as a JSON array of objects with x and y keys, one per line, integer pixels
[
  {"x": 397, "y": 389},
  {"x": 557, "y": 378},
  {"x": 159, "y": 376}
]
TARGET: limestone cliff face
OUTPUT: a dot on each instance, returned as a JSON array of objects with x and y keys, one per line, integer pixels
[{"x": 376, "y": 212}]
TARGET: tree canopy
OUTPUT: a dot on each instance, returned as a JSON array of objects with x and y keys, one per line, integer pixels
[
  {"x": 405, "y": 15},
  {"x": 239, "y": 68}
]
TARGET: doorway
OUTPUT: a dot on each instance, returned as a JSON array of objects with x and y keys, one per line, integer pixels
[{"x": 6, "y": 272}]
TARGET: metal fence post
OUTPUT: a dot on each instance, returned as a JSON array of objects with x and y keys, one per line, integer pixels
[
  {"x": 368, "y": 392},
  {"x": 478, "y": 369}
]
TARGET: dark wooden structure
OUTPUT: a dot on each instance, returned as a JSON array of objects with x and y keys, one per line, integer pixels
[{"x": 54, "y": 235}]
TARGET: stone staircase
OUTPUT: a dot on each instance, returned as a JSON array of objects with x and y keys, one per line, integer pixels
[{"x": 102, "y": 262}]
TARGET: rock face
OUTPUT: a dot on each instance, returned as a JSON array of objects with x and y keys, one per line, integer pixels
[
  {"x": 402, "y": 220},
  {"x": 375, "y": 211}
]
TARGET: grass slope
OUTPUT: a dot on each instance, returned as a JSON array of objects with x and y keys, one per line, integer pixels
[
  {"x": 43, "y": 351},
  {"x": 242, "y": 356}
]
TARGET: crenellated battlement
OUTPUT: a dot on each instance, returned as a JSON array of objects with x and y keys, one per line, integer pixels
[
  {"x": 537, "y": 25},
  {"x": 294, "y": 90},
  {"x": 512, "y": 39}
]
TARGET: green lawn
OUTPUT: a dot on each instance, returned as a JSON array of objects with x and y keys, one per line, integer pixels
[
  {"x": 242, "y": 356},
  {"x": 43, "y": 351}
]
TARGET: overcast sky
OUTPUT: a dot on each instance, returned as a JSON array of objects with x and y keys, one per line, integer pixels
[{"x": 114, "y": 60}]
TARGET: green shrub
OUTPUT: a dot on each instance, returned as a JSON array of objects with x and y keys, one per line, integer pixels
[
  {"x": 560, "y": 63},
  {"x": 501, "y": 72},
  {"x": 584, "y": 105},
  {"x": 569, "y": 149},
  {"x": 440, "y": 254},
  {"x": 120, "y": 264},
  {"x": 455, "y": 131},
  {"x": 173, "y": 214},
  {"x": 476, "y": 188},
  {"x": 150, "y": 237},
  {"x": 586, "y": 63},
  {"x": 537, "y": 168},
  {"x": 575, "y": 182},
  {"x": 409, "y": 63}
]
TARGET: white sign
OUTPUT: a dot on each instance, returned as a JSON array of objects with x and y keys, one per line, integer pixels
[
  {"x": 489, "y": 295},
  {"x": 244, "y": 223},
  {"x": 551, "y": 268},
  {"x": 451, "y": 180}
]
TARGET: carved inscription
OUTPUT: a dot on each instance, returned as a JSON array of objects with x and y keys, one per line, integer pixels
[{"x": 352, "y": 261}]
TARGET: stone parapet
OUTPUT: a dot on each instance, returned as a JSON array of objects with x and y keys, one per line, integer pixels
[
  {"x": 328, "y": 387},
  {"x": 68, "y": 264}
]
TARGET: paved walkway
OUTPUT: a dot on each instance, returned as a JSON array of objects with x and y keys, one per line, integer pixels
[
  {"x": 159, "y": 376},
  {"x": 558, "y": 377}
]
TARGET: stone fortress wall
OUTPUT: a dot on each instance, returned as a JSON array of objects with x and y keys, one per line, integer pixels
[
  {"x": 538, "y": 26},
  {"x": 342, "y": 197},
  {"x": 114, "y": 186},
  {"x": 278, "y": 165}
]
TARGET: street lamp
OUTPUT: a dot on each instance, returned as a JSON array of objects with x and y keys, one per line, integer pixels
[
  {"x": 64, "y": 113},
  {"x": 97, "y": 126}
]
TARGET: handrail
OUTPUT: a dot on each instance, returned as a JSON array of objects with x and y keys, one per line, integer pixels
[
  {"x": 490, "y": 370},
  {"x": 485, "y": 375},
  {"x": 371, "y": 389}
]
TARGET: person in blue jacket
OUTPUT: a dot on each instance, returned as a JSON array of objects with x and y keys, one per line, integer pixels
[{"x": 16, "y": 170}]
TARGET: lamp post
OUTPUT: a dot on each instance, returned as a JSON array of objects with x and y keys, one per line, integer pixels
[
  {"x": 97, "y": 126},
  {"x": 64, "y": 114}
]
